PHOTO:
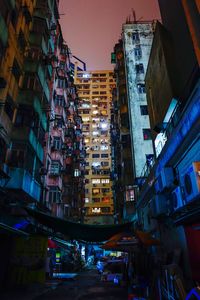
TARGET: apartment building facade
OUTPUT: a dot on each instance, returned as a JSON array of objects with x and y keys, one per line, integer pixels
[
  {"x": 41, "y": 148},
  {"x": 137, "y": 40},
  {"x": 168, "y": 204},
  {"x": 95, "y": 93}
]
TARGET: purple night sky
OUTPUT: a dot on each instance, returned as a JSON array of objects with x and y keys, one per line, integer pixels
[{"x": 92, "y": 27}]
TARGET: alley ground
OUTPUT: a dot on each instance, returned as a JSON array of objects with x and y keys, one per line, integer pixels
[{"x": 87, "y": 285}]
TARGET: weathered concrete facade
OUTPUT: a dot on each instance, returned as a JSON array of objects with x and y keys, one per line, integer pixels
[{"x": 137, "y": 39}]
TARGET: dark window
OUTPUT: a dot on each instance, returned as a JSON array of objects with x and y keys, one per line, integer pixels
[
  {"x": 31, "y": 83},
  {"x": 105, "y": 209},
  {"x": 55, "y": 167},
  {"x": 95, "y": 200},
  {"x": 105, "y": 190},
  {"x": 135, "y": 36},
  {"x": 21, "y": 41},
  {"x": 60, "y": 83},
  {"x": 144, "y": 110},
  {"x": 59, "y": 100},
  {"x": 57, "y": 143},
  {"x": 104, "y": 155},
  {"x": 9, "y": 107},
  {"x": 105, "y": 163},
  {"x": 138, "y": 52},
  {"x": 16, "y": 158},
  {"x": 24, "y": 116},
  {"x": 14, "y": 17},
  {"x": 95, "y": 155},
  {"x": 141, "y": 88},
  {"x": 87, "y": 163},
  {"x": 146, "y": 134},
  {"x": 86, "y": 172},
  {"x": 105, "y": 172},
  {"x": 139, "y": 68},
  {"x": 149, "y": 159},
  {"x": 86, "y": 111},
  {"x": 16, "y": 70},
  {"x": 54, "y": 195}
]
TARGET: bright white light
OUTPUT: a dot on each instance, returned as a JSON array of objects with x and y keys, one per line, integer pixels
[
  {"x": 95, "y": 112},
  {"x": 95, "y": 133},
  {"x": 86, "y": 75},
  {"x": 104, "y": 147},
  {"x": 96, "y": 210},
  {"x": 104, "y": 125}
]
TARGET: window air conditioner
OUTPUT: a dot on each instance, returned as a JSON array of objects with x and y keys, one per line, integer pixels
[
  {"x": 177, "y": 199},
  {"x": 158, "y": 206},
  {"x": 164, "y": 180},
  {"x": 191, "y": 181}
]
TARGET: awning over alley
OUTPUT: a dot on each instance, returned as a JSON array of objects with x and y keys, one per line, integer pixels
[
  {"x": 127, "y": 241},
  {"x": 78, "y": 231}
]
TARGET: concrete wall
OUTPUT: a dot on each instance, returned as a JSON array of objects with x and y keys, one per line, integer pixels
[{"x": 140, "y": 147}]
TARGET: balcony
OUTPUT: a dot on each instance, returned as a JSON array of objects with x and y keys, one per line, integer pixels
[
  {"x": 25, "y": 185},
  {"x": 35, "y": 67},
  {"x": 54, "y": 181},
  {"x": 37, "y": 39}
]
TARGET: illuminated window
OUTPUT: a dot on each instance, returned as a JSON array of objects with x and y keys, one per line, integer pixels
[
  {"x": 86, "y": 75},
  {"x": 96, "y": 210},
  {"x": 96, "y": 181},
  {"x": 95, "y": 112},
  {"x": 85, "y": 105},
  {"x": 104, "y": 147},
  {"x": 85, "y": 119},
  {"x": 95, "y": 119},
  {"x": 86, "y": 200},
  {"x": 87, "y": 140},
  {"x": 104, "y": 112},
  {"x": 106, "y": 199},
  {"x": 95, "y": 191},
  {"x": 95, "y": 133},
  {"x": 76, "y": 173},
  {"x": 105, "y": 180}
]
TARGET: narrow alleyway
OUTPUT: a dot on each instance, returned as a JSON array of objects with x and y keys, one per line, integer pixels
[{"x": 87, "y": 285}]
